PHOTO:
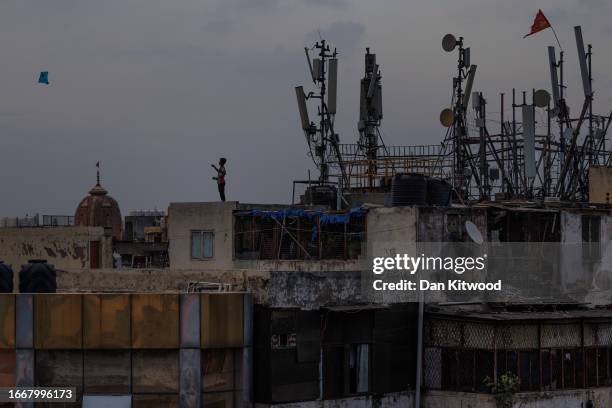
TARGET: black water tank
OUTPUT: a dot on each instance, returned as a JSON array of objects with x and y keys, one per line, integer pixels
[
  {"x": 409, "y": 189},
  {"x": 322, "y": 195},
  {"x": 438, "y": 192},
  {"x": 6, "y": 278},
  {"x": 37, "y": 276}
]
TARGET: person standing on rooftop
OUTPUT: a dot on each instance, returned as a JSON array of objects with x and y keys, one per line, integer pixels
[{"x": 220, "y": 177}]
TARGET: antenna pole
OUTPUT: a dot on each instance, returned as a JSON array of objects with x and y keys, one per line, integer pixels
[
  {"x": 590, "y": 143},
  {"x": 323, "y": 166},
  {"x": 501, "y": 133},
  {"x": 515, "y": 169}
]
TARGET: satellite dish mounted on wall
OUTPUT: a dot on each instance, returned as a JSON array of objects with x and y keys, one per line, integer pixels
[
  {"x": 541, "y": 98},
  {"x": 449, "y": 42},
  {"x": 473, "y": 232},
  {"x": 447, "y": 117}
]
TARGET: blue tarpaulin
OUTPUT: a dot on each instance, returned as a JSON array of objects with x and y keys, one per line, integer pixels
[{"x": 324, "y": 216}]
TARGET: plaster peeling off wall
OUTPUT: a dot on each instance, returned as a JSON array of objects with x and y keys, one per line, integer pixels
[
  {"x": 571, "y": 236},
  {"x": 65, "y": 247}
]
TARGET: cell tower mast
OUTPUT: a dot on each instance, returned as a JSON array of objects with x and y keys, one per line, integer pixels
[
  {"x": 321, "y": 138},
  {"x": 370, "y": 115}
]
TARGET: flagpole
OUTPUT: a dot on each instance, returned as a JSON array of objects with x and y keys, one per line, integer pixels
[{"x": 556, "y": 38}]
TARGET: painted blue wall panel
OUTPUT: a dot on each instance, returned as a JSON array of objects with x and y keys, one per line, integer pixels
[
  {"x": 191, "y": 377},
  {"x": 190, "y": 321},
  {"x": 24, "y": 321}
]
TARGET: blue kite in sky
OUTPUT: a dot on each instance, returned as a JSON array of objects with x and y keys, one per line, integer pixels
[{"x": 44, "y": 78}]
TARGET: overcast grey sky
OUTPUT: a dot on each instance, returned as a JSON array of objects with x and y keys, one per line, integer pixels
[{"x": 156, "y": 90}]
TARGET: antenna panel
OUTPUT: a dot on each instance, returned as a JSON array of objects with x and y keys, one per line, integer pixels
[
  {"x": 584, "y": 70},
  {"x": 370, "y": 63},
  {"x": 468, "y": 86},
  {"x": 332, "y": 86},
  {"x": 378, "y": 102},
  {"x": 363, "y": 103},
  {"x": 529, "y": 141},
  {"x": 317, "y": 69},
  {"x": 301, "y": 100},
  {"x": 373, "y": 82},
  {"x": 554, "y": 79},
  {"x": 466, "y": 57},
  {"x": 475, "y": 100}
]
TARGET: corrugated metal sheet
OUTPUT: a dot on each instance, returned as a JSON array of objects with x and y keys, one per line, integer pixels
[
  {"x": 24, "y": 321},
  {"x": 107, "y": 371},
  {"x": 190, "y": 321},
  {"x": 218, "y": 400},
  {"x": 7, "y": 368},
  {"x": 155, "y": 371},
  {"x": 106, "y": 321},
  {"x": 155, "y": 321},
  {"x": 7, "y": 321},
  {"x": 222, "y": 320},
  {"x": 57, "y": 321},
  {"x": 190, "y": 378},
  {"x": 155, "y": 401},
  {"x": 218, "y": 370},
  {"x": 57, "y": 368}
]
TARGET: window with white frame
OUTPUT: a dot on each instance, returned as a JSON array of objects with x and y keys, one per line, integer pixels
[{"x": 202, "y": 244}]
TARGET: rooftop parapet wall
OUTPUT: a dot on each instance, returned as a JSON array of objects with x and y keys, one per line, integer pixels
[
  {"x": 65, "y": 247},
  {"x": 308, "y": 290}
]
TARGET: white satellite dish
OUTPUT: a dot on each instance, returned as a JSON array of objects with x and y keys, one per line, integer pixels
[
  {"x": 473, "y": 232},
  {"x": 541, "y": 98},
  {"x": 449, "y": 42}
]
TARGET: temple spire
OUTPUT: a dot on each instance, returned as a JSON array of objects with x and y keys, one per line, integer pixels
[
  {"x": 97, "y": 173},
  {"x": 98, "y": 189}
]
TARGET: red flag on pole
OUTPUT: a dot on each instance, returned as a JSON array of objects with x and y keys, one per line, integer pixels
[{"x": 540, "y": 23}]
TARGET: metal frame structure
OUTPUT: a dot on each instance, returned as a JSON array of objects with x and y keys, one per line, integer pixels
[{"x": 528, "y": 157}]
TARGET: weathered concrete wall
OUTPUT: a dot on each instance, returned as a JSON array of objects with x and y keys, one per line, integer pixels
[
  {"x": 600, "y": 184},
  {"x": 65, "y": 247},
  {"x": 186, "y": 217},
  {"x": 157, "y": 280},
  {"x": 596, "y": 278},
  {"x": 602, "y": 397},
  {"x": 400, "y": 399},
  {"x": 300, "y": 265},
  {"x": 308, "y": 290},
  {"x": 312, "y": 290}
]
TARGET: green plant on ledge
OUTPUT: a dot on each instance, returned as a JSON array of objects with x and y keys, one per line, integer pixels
[{"x": 505, "y": 388}]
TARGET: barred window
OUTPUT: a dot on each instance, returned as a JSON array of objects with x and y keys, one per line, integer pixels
[{"x": 202, "y": 244}]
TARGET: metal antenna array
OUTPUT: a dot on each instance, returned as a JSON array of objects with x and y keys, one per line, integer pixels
[
  {"x": 464, "y": 165},
  {"x": 370, "y": 114},
  {"x": 321, "y": 138},
  {"x": 527, "y": 158},
  {"x": 521, "y": 161}
]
